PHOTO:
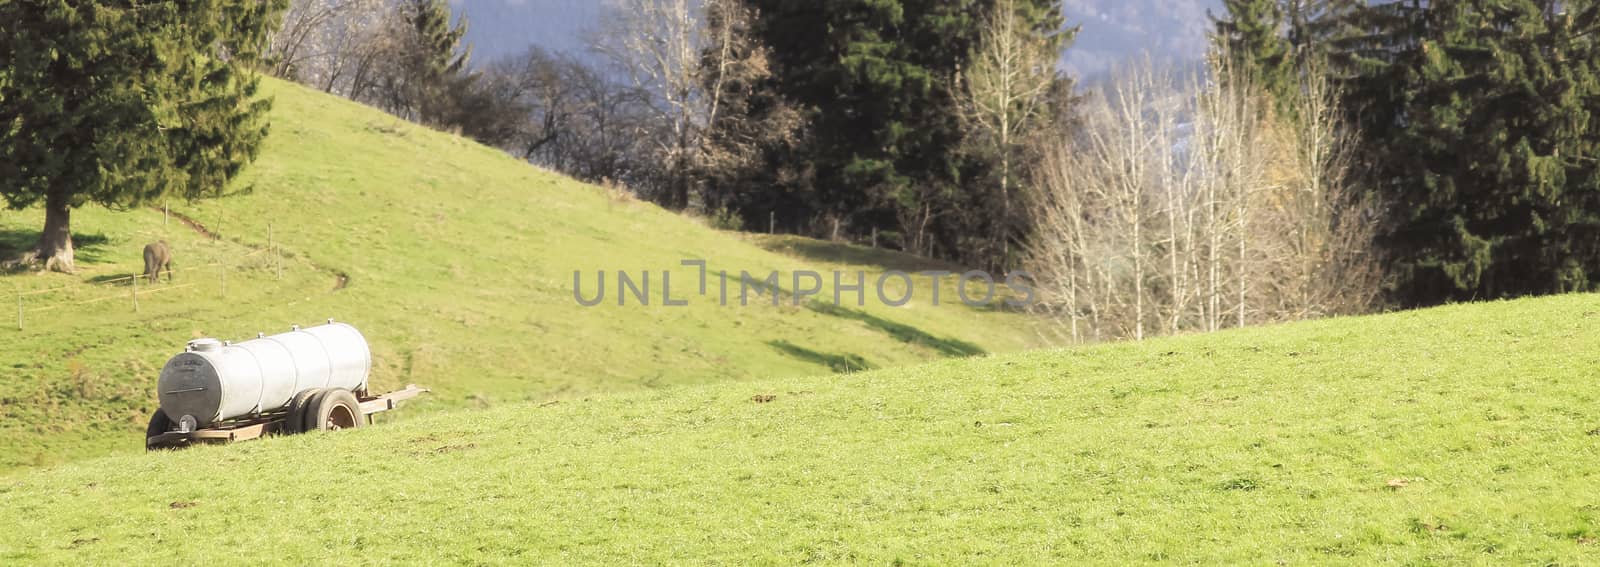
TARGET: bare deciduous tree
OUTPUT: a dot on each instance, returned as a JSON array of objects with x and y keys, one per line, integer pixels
[
  {"x": 752, "y": 121},
  {"x": 545, "y": 82},
  {"x": 1186, "y": 205},
  {"x": 1005, "y": 97},
  {"x": 323, "y": 43},
  {"x": 660, "y": 44},
  {"x": 576, "y": 119}
]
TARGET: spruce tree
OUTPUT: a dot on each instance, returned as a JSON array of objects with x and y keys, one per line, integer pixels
[
  {"x": 1252, "y": 37},
  {"x": 122, "y": 103},
  {"x": 868, "y": 95},
  {"x": 1314, "y": 27},
  {"x": 1478, "y": 117},
  {"x": 1274, "y": 41},
  {"x": 433, "y": 60},
  {"x": 876, "y": 82}
]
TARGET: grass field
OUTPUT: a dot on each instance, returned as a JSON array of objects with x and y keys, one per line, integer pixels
[
  {"x": 454, "y": 259},
  {"x": 1459, "y": 435}
]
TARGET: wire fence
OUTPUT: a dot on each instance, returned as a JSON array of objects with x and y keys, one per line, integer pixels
[{"x": 132, "y": 284}]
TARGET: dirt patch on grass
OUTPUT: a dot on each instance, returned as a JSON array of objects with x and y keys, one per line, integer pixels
[{"x": 192, "y": 224}]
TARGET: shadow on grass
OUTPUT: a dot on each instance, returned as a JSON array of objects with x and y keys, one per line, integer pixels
[
  {"x": 754, "y": 292},
  {"x": 840, "y": 363},
  {"x": 900, "y": 331},
  {"x": 165, "y": 278},
  {"x": 87, "y": 248},
  {"x": 999, "y": 305},
  {"x": 840, "y": 253}
]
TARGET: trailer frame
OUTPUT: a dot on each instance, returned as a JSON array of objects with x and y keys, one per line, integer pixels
[{"x": 273, "y": 423}]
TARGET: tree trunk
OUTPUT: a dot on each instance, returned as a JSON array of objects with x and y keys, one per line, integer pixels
[
  {"x": 55, "y": 243},
  {"x": 678, "y": 200},
  {"x": 1005, "y": 190},
  {"x": 1138, "y": 278}
]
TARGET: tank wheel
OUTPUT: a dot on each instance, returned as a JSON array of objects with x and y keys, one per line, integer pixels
[
  {"x": 159, "y": 423},
  {"x": 298, "y": 407},
  {"x": 332, "y": 410}
]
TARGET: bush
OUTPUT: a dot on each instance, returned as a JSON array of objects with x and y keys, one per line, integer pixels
[{"x": 725, "y": 219}]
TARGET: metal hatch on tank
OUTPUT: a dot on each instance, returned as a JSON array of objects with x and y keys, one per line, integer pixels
[{"x": 306, "y": 379}]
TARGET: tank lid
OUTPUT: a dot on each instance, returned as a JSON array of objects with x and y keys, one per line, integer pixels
[{"x": 204, "y": 345}]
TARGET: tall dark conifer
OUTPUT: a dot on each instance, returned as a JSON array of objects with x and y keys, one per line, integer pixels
[
  {"x": 1313, "y": 27},
  {"x": 122, "y": 102},
  {"x": 875, "y": 79},
  {"x": 877, "y": 85},
  {"x": 1274, "y": 41},
  {"x": 1479, "y": 117},
  {"x": 433, "y": 62},
  {"x": 1252, "y": 36}
]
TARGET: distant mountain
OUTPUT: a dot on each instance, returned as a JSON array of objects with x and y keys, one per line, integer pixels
[
  {"x": 503, "y": 27},
  {"x": 1113, "y": 30}
]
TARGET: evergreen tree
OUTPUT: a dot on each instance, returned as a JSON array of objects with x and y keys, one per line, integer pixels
[
  {"x": 122, "y": 103},
  {"x": 432, "y": 62},
  {"x": 1275, "y": 40},
  {"x": 1253, "y": 38},
  {"x": 878, "y": 83},
  {"x": 874, "y": 79},
  {"x": 1478, "y": 117},
  {"x": 1313, "y": 27}
]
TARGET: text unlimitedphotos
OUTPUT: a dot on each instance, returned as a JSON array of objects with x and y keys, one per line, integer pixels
[{"x": 894, "y": 288}]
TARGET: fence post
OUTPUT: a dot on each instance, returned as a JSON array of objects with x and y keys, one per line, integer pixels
[
  {"x": 135, "y": 294},
  {"x": 277, "y": 255},
  {"x": 166, "y": 210},
  {"x": 772, "y": 222},
  {"x": 222, "y": 279}
]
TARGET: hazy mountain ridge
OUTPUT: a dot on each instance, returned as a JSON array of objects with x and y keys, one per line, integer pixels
[{"x": 1112, "y": 30}]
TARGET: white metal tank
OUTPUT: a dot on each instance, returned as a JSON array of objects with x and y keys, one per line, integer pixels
[{"x": 213, "y": 381}]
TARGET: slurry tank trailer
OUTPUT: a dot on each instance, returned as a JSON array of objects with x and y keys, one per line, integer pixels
[{"x": 309, "y": 379}]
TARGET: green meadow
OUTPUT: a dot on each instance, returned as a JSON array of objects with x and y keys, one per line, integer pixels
[
  {"x": 1459, "y": 435},
  {"x": 457, "y": 263}
]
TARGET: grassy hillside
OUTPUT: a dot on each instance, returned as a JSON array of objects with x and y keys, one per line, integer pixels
[
  {"x": 454, "y": 259},
  {"x": 1466, "y": 434}
]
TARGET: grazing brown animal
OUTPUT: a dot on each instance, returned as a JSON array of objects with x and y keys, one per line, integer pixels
[{"x": 157, "y": 256}]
